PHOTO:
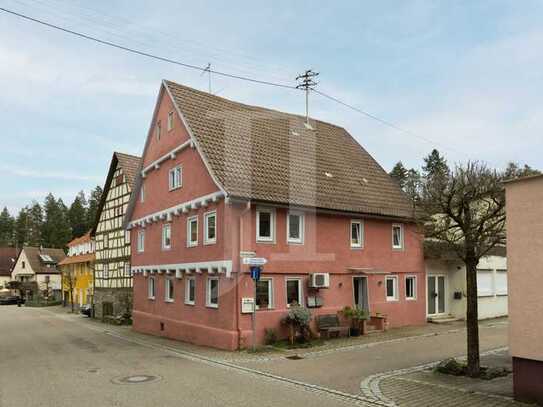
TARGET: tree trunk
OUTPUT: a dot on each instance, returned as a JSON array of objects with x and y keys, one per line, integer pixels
[{"x": 472, "y": 318}]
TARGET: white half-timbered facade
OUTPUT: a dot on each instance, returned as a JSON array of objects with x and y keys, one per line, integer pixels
[{"x": 112, "y": 277}]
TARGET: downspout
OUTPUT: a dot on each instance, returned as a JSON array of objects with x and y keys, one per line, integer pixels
[{"x": 238, "y": 299}]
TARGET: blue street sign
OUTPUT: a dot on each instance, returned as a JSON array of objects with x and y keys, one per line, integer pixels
[{"x": 255, "y": 273}]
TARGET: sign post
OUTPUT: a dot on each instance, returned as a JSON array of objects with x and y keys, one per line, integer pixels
[{"x": 255, "y": 265}]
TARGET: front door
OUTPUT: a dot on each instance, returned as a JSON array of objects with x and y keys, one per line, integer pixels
[
  {"x": 436, "y": 295},
  {"x": 360, "y": 286}
]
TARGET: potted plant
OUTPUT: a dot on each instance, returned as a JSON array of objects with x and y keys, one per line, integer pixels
[
  {"x": 358, "y": 317},
  {"x": 297, "y": 320}
]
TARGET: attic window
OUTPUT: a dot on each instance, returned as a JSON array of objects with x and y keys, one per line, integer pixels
[
  {"x": 158, "y": 130},
  {"x": 308, "y": 126},
  {"x": 294, "y": 133},
  {"x": 328, "y": 174}
]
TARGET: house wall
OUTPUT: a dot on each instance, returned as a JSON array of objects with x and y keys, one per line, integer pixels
[
  {"x": 83, "y": 288},
  {"x": 524, "y": 242},
  {"x": 18, "y": 269}
]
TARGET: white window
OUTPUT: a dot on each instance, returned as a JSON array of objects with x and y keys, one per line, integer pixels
[
  {"x": 158, "y": 130},
  {"x": 501, "y": 282},
  {"x": 142, "y": 193},
  {"x": 264, "y": 293},
  {"x": 397, "y": 236},
  {"x": 410, "y": 288},
  {"x": 485, "y": 285},
  {"x": 190, "y": 291},
  {"x": 210, "y": 227},
  {"x": 141, "y": 241},
  {"x": 294, "y": 291},
  {"x": 175, "y": 178},
  {"x": 192, "y": 231},
  {"x": 166, "y": 236},
  {"x": 265, "y": 225},
  {"x": 295, "y": 227},
  {"x": 151, "y": 288},
  {"x": 212, "y": 292},
  {"x": 170, "y": 121},
  {"x": 127, "y": 237},
  {"x": 391, "y": 286},
  {"x": 357, "y": 234},
  {"x": 168, "y": 290}
]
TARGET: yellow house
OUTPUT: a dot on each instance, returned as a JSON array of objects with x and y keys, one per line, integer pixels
[{"x": 77, "y": 272}]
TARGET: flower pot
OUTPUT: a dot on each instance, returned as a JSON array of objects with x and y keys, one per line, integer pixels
[{"x": 354, "y": 331}]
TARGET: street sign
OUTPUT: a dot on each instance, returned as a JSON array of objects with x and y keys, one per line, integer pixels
[
  {"x": 255, "y": 273},
  {"x": 254, "y": 261}
]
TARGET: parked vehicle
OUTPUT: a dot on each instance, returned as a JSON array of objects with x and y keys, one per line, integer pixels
[
  {"x": 86, "y": 310},
  {"x": 10, "y": 300}
]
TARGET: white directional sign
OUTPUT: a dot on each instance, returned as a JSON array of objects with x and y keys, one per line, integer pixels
[{"x": 254, "y": 261}]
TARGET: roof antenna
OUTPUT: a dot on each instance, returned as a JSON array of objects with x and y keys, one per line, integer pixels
[
  {"x": 208, "y": 70},
  {"x": 307, "y": 83}
]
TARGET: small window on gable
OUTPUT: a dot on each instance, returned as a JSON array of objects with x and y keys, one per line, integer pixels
[
  {"x": 397, "y": 236},
  {"x": 175, "y": 178},
  {"x": 23, "y": 265},
  {"x": 141, "y": 241},
  {"x": 167, "y": 236},
  {"x": 265, "y": 225},
  {"x": 158, "y": 130},
  {"x": 357, "y": 234},
  {"x": 142, "y": 193},
  {"x": 151, "y": 288},
  {"x": 170, "y": 121},
  {"x": 295, "y": 227}
]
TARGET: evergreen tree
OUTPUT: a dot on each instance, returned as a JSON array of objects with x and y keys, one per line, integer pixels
[
  {"x": 56, "y": 228},
  {"x": 435, "y": 164},
  {"x": 94, "y": 201},
  {"x": 78, "y": 215},
  {"x": 413, "y": 185},
  {"x": 399, "y": 174},
  {"x": 34, "y": 224},
  {"x": 7, "y": 225},
  {"x": 21, "y": 235}
]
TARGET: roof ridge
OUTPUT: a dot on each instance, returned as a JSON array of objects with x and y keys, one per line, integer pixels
[{"x": 126, "y": 154}]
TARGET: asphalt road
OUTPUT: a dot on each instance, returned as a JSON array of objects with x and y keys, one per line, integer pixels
[{"x": 48, "y": 361}]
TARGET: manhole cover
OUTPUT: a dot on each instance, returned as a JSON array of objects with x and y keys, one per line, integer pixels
[
  {"x": 294, "y": 357},
  {"x": 136, "y": 379}
]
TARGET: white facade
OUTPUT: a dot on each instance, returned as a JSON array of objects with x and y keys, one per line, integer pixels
[
  {"x": 450, "y": 295},
  {"x": 22, "y": 271}
]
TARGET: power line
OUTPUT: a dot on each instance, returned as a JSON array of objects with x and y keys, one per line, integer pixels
[{"x": 146, "y": 54}]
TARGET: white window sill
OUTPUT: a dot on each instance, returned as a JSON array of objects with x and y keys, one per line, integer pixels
[
  {"x": 165, "y": 249},
  {"x": 151, "y": 298},
  {"x": 295, "y": 242},
  {"x": 390, "y": 299},
  {"x": 410, "y": 298},
  {"x": 214, "y": 306},
  {"x": 169, "y": 300},
  {"x": 192, "y": 245},
  {"x": 210, "y": 242},
  {"x": 398, "y": 249},
  {"x": 357, "y": 247},
  {"x": 265, "y": 241},
  {"x": 189, "y": 303},
  {"x": 175, "y": 188},
  {"x": 264, "y": 309}
]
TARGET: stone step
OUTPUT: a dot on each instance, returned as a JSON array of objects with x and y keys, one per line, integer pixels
[{"x": 443, "y": 319}]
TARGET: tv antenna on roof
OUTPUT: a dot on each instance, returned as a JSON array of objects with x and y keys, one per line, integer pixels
[
  {"x": 208, "y": 70},
  {"x": 307, "y": 82}
]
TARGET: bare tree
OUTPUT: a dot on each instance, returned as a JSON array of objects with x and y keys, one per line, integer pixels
[
  {"x": 465, "y": 210},
  {"x": 69, "y": 281}
]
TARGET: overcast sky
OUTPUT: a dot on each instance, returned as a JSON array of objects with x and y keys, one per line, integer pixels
[{"x": 465, "y": 75}]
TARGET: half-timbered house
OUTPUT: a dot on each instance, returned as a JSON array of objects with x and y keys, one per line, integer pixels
[{"x": 112, "y": 279}]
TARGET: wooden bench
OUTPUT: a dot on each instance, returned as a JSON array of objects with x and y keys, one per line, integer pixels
[{"x": 330, "y": 324}]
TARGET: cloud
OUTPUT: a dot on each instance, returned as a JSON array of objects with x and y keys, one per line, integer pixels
[{"x": 28, "y": 173}]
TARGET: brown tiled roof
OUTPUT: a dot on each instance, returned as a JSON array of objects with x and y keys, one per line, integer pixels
[
  {"x": 8, "y": 256},
  {"x": 37, "y": 265},
  {"x": 266, "y": 155},
  {"x": 78, "y": 240},
  {"x": 130, "y": 165},
  {"x": 82, "y": 258}
]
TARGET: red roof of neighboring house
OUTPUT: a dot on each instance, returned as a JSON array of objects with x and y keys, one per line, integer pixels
[
  {"x": 80, "y": 240},
  {"x": 8, "y": 257},
  {"x": 82, "y": 258}
]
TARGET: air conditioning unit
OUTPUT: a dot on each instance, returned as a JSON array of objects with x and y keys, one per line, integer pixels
[{"x": 319, "y": 280}]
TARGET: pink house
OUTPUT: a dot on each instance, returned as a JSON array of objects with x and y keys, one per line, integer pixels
[{"x": 220, "y": 181}]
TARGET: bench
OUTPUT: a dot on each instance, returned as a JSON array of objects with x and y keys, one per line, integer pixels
[{"x": 330, "y": 324}]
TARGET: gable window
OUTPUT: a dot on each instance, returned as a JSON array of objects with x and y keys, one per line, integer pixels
[
  {"x": 391, "y": 286},
  {"x": 264, "y": 293},
  {"x": 210, "y": 227},
  {"x": 170, "y": 121},
  {"x": 158, "y": 130},
  {"x": 295, "y": 227},
  {"x": 294, "y": 291},
  {"x": 167, "y": 236},
  {"x": 357, "y": 233},
  {"x": 397, "y": 236},
  {"x": 141, "y": 240},
  {"x": 265, "y": 225},
  {"x": 192, "y": 231},
  {"x": 190, "y": 291},
  {"x": 175, "y": 178},
  {"x": 142, "y": 193},
  {"x": 23, "y": 265},
  {"x": 411, "y": 288},
  {"x": 168, "y": 290},
  {"x": 151, "y": 288},
  {"x": 212, "y": 294}
]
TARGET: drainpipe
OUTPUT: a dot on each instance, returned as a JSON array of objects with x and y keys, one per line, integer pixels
[{"x": 240, "y": 233}]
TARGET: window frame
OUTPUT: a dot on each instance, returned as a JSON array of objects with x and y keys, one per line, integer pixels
[
  {"x": 300, "y": 290},
  {"x": 360, "y": 223},
  {"x": 171, "y": 181},
  {"x": 153, "y": 291},
  {"x": 259, "y": 238},
  {"x": 188, "y": 301},
  {"x": 414, "y": 296},
  {"x": 142, "y": 193},
  {"x": 141, "y": 241},
  {"x": 395, "y": 297},
  {"x": 301, "y": 227},
  {"x": 170, "y": 121},
  {"x": 271, "y": 302},
  {"x": 208, "y": 215},
  {"x": 166, "y": 226},
  {"x": 158, "y": 130},
  {"x": 401, "y": 228},
  {"x": 169, "y": 283},
  {"x": 209, "y": 304},
  {"x": 498, "y": 292},
  {"x": 191, "y": 243}
]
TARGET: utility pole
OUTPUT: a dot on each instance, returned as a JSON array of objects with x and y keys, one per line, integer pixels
[
  {"x": 307, "y": 82},
  {"x": 208, "y": 70}
]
